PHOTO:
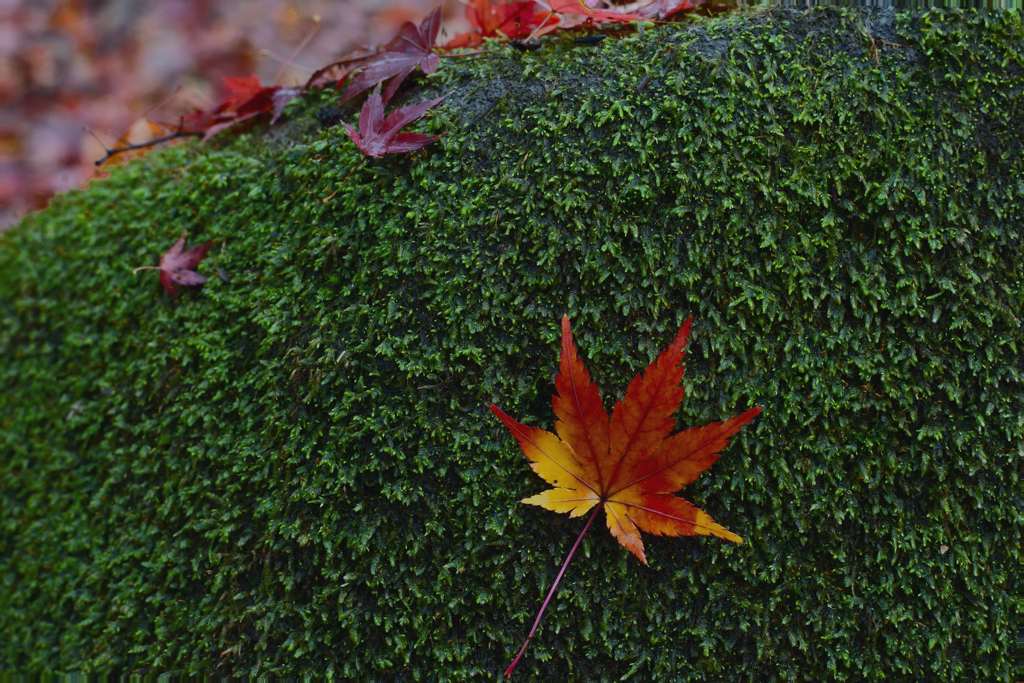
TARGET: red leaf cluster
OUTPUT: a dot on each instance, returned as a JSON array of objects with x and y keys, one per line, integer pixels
[
  {"x": 107, "y": 57},
  {"x": 512, "y": 20},
  {"x": 379, "y": 134},
  {"x": 532, "y": 18},
  {"x": 245, "y": 99},
  {"x": 412, "y": 48}
]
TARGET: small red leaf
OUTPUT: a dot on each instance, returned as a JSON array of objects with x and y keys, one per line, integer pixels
[
  {"x": 378, "y": 135},
  {"x": 177, "y": 266},
  {"x": 413, "y": 47}
]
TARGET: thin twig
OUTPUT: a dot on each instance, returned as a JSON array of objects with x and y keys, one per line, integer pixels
[
  {"x": 96, "y": 137},
  {"x": 298, "y": 50},
  {"x": 149, "y": 143},
  {"x": 536, "y": 32},
  {"x": 283, "y": 61},
  {"x": 551, "y": 593}
]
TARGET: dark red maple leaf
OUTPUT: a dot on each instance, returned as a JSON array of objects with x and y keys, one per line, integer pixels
[
  {"x": 245, "y": 99},
  {"x": 178, "y": 264},
  {"x": 412, "y": 47},
  {"x": 378, "y": 135}
]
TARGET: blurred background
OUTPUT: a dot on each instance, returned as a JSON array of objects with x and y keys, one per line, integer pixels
[{"x": 76, "y": 74}]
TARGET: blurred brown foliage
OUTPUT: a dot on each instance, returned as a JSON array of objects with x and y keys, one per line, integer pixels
[{"x": 75, "y": 71}]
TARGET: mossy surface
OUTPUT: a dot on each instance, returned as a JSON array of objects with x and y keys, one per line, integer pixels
[{"x": 294, "y": 472}]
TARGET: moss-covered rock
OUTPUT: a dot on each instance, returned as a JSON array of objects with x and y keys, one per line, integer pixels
[{"x": 293, "y": 470}]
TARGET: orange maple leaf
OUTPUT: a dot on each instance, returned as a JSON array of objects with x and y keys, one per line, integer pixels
[{"x": 628, "y": 463}]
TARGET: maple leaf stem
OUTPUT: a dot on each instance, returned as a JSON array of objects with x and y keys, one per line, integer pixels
[{"x": 551, "y": 592}]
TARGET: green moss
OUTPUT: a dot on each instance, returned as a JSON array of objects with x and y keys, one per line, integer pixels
[{"x": 293, "y": 471}]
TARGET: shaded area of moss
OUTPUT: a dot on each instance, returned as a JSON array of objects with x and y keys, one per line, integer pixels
[{"x": 293, "y": 471}]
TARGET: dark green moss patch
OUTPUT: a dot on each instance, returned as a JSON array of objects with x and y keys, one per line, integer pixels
[{"x": 293, "y": 471}]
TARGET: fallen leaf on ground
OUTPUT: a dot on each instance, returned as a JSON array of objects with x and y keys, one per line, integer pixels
[
  {"x": 413, "y": 47},
  {"x": 245, "y": 99},
  {"x": 178, "y": 266},
  {"x": 629, "y": 462},
  {"x": 378, "y": 135}
]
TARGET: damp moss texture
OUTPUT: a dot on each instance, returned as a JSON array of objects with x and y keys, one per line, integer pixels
[{"x": 293, "y": 471}]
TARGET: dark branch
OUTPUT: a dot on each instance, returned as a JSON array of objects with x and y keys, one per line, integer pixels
[{"x": 149, "y": 143}]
